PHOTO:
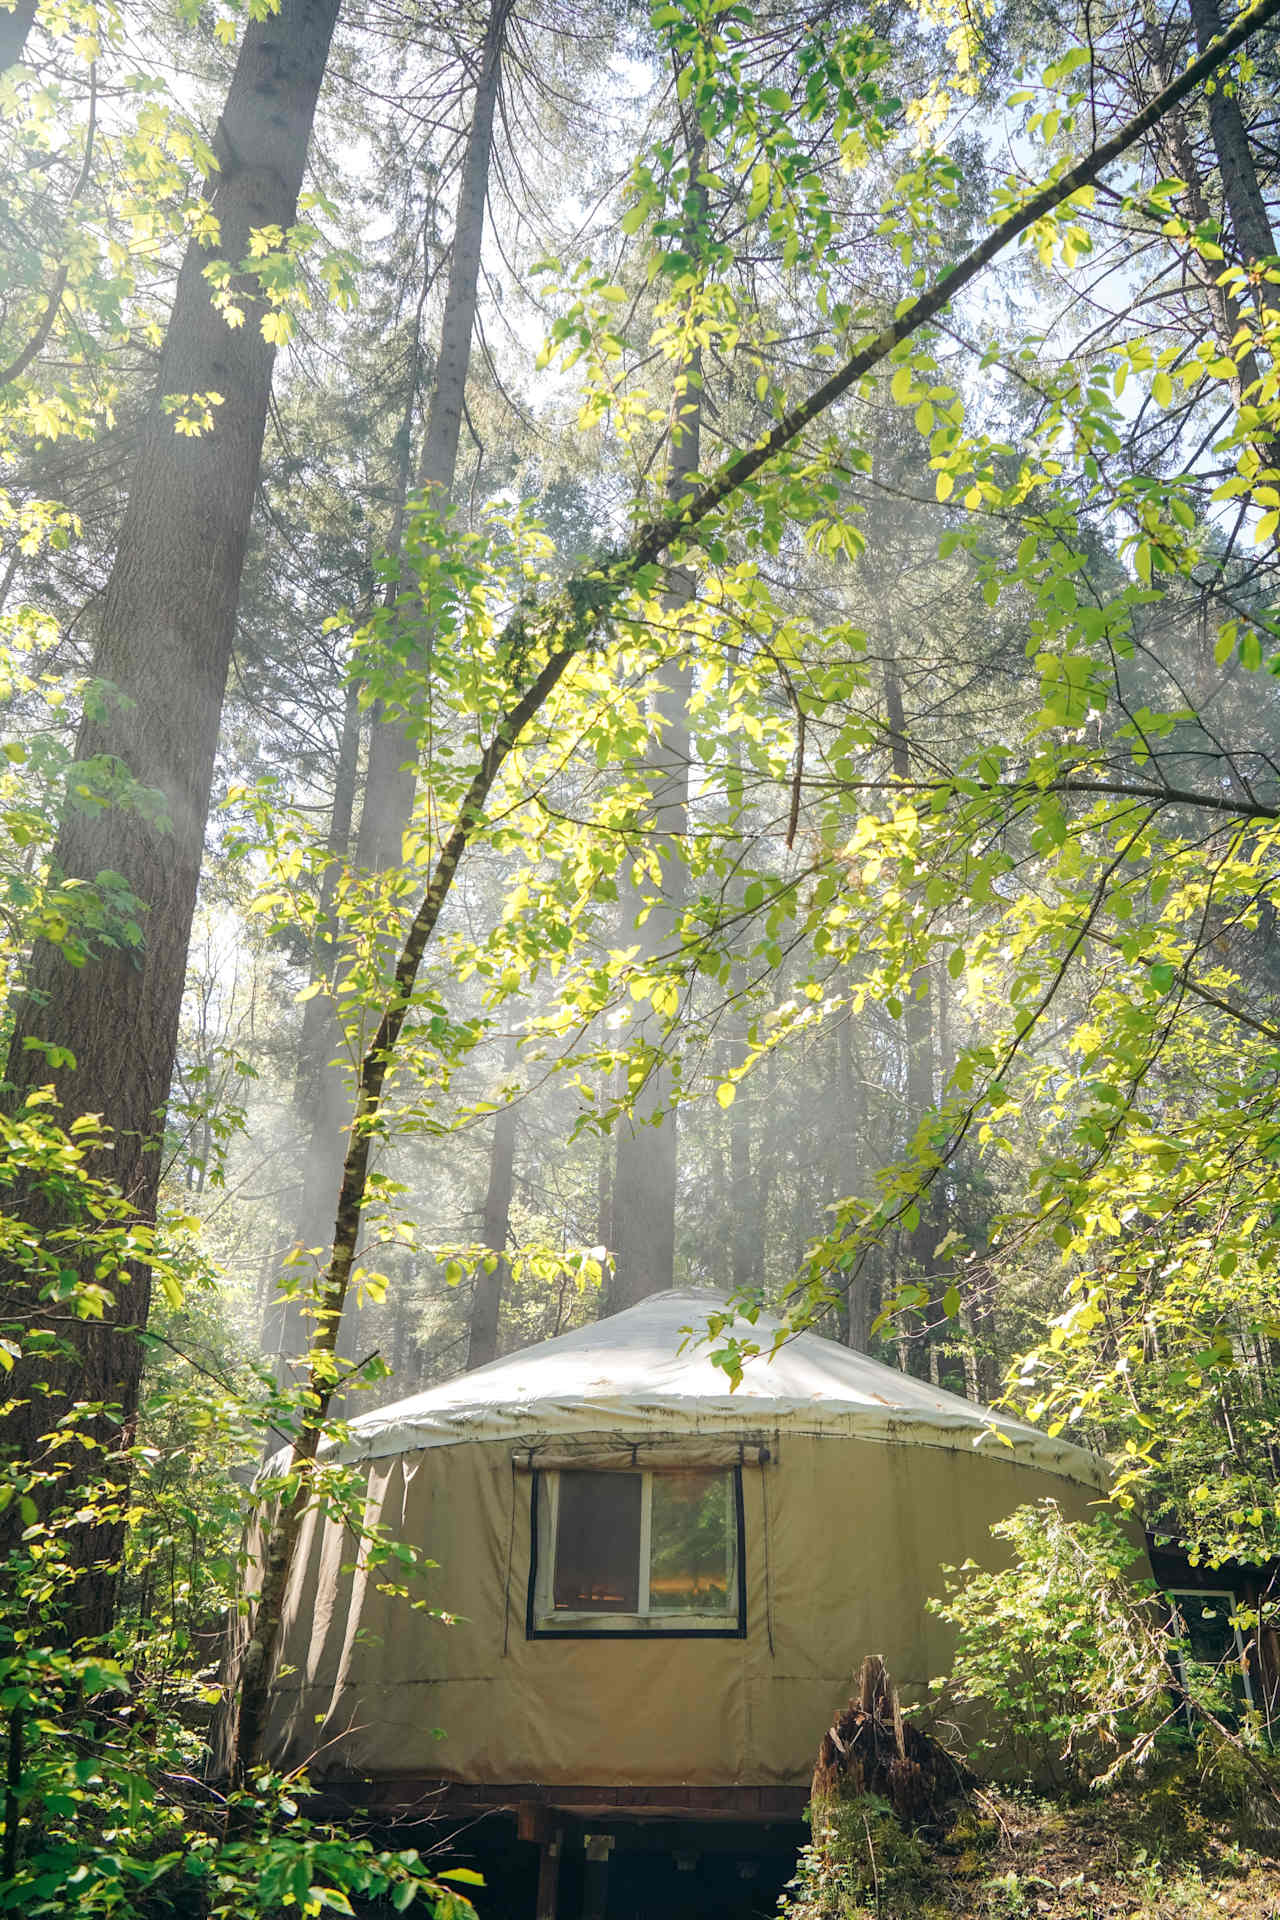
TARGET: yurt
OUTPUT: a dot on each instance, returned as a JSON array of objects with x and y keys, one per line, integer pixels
[{"x": 657, "y": 1587}]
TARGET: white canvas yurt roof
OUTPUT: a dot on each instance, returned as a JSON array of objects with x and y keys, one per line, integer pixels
[{"x": 640, "y": 1373}]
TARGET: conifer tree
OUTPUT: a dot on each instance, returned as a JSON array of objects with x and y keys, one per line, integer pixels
[{"x": 150, "y": 730}]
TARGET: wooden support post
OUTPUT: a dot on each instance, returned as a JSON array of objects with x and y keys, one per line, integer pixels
[
  {"x": 595, "y": 1876},
  {"x": 533, "y": 1821},
  {"x": 549, "y": 1875},
  {"x": 537, "y": 1823}
]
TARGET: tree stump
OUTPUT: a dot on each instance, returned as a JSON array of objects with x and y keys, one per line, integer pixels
[{"x": 870, "y": 1749}]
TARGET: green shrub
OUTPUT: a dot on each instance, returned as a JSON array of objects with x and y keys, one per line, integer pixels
[
  {"x": 1063, "y": 1653},
  {"x": 861, "y": 1859}
]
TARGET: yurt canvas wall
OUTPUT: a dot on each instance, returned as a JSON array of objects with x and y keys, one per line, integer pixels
[{"x": 851, "y": 1485}]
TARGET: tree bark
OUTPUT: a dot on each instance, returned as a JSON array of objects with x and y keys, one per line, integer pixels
[
  {"x": 164, "y": 646},
  {"x": 324, "y": 1089},
  {"x": 320, "y": 1038},
  {"x": 1178, "y": 156},
  {"x": 848, "y": 1127},
  {"x": 917, "y": 1023},
  {"x": 745, "y": 1232},
  {"x": 14, "y": 28},
  {"x": 322, "y": 1092},
  {"x": 490, "y": 1282},
  {"x": 644, "y": 1188},
  {"x": 604, "y": 1186},
  {"x": 746, "y": 1229},
  {"x": 391, "y": 780},
  {"x": 766, "y": 1169},
  {"x": 1250, "y": 222}
]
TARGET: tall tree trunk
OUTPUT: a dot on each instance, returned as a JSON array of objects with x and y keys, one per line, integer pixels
[
  {"x": 322, "y": 1091},
  {"x": 490, "y": 1281},
  {"x": 745, "y": 1230},
  {"x": 604, "y": 1186},
  {"x": 14, "y": 28},
  {"x": 848, "y": 1126},
  {"x": 320, "y": 1038},
  {"x": 920, "y": 1239},
  {"x": 1250, "y": 222},
  {"x": 164, "y": 644},
  {"x": 391, "y": 781},
  {"x": 644, "y": 1188},
  {"x": 1178, "y": 156},
  {"x": 766, "y": 1168}
]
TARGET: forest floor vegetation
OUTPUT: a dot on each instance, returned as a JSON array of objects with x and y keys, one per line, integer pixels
[{"x": 1171, "y": 1847}]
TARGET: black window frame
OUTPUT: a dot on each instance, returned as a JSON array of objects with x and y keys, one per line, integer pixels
[
  {"x": 1241, "y": 1666},
  {"x": 735, "y": 1631}
]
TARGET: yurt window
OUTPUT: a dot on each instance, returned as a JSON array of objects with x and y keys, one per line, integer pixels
[
  {"x": 1208, "y": 1640},
  {"x": 645, "y": 1552}
]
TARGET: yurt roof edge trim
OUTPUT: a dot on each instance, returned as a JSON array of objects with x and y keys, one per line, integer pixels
[
  {"x": 1067, "y": 1461},
  {"x": 627, "y": 1382}
]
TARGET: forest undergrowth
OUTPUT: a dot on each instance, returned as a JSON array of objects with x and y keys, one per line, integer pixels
[{"x": 1175, "y": 1846}]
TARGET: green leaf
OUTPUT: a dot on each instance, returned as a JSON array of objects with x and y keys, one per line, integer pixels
[
  {"x": 170, "y": 1285},
  {"x": 331, "y": 1897},
  {"x": 761, "y": 185}
]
